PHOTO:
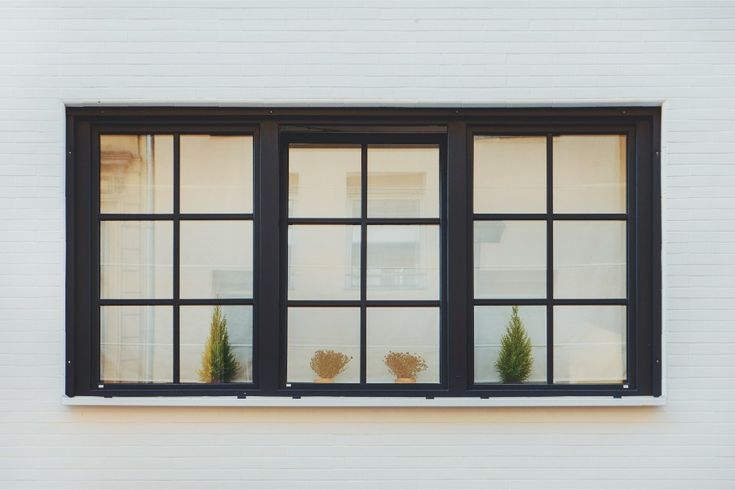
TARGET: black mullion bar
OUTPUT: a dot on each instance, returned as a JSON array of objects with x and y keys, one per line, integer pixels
[
  {"x": 176, "y": 275},
  {"x": 171, "y": 302},
  {"x": 509, "y": 216},
  {"x": 369, "y": 221},
  {"x": 550, "y": 258},
  {"x": 353, "y": 303},
  {"x": 171, "y": 216},
  {"x": 556, "y": 217},
  {"x": 363, "y": 262}
]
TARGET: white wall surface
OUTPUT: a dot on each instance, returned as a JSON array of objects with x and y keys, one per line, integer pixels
[{"x": 423, "y": 52}]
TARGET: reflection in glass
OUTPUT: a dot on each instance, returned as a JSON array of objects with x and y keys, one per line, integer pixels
[
  {"x": 403, "y": 262},
  {"x": 136, "y": 344},
  {"x": 589, "y": 259},
  {"x": 319, "y": 265},
  {"x": 324, "y": 182},
  {"x": 403, "y": 181},
  {"x": 216, "y": 174},
  {"x": 136, "y": 173},
  {"x": 490, "y": 327},
  {"x": 195, "y": 325},
  {"x": 313, "y": 329},
  {"x": 402, "y": 329},
  {"x": 510, "y": 259},
  {"x": 509, "y": 174},
  {"x": 136, "y": 259},
  {"x": 589, "y": 174},
  {"x": 589, "y": 344},
  {"x": 216, "y": 259}
]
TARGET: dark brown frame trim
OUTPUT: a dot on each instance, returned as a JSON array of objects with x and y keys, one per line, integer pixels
[{"x": 454, "y": 128}]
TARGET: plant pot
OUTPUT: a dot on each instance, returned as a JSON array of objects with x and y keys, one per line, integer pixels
[
  {"x": 405, "y": 380},
  {"x": 319, "y": 379}
]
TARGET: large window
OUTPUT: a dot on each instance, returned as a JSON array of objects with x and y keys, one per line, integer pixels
[{"x": 363, "y": 252}]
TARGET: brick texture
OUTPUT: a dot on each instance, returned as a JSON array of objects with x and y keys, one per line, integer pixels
[{"x": 505, "y": 53}]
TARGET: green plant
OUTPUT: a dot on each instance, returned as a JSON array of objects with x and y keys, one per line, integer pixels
[
  {"x": 328, "y": 363},
  {"x": 219, "y": 364},
  {"x": 515, "y": 361},
  {"x": 404, "y": 364}
]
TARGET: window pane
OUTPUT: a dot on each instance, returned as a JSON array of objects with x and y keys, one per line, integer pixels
[
  {"x": 216, "y": 259},
  {"x": 136, "y": 259},
  {"x": 510, "y": 259},
  {"x": 403, "y": 262},
  {"x": 403, "y": 182},
  {"x": 216, "y": 174},
  {"x": 510, "y": 174},
  {"x": 491, "y": 323},
  {"x": 589, "y": 174},
  {"x": 324, "y": 335},
  {"x": 413, "y": 334},
  {"x": 136, "y": 173},
  {"x": 136, "y": 344},
  {"x": 196, "y": 325},
  {"x": 589, "y": 259},
  {"x": 589, "y": 344},
  {"x": 323, "y": 262},
  {"x": 324, "y": 182}
]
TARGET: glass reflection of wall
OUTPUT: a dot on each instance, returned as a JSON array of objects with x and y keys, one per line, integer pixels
[
  {"x": 136, "y": 176},
  {"x": 136, "y": 256}
]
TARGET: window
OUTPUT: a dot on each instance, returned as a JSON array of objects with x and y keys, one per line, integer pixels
[{"x": 363, "y": 252}]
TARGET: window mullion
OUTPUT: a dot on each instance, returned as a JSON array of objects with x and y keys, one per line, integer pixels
[
  {"x": 267, "y": 360},
  {"x": 459, "y": 267},
  {"x": 363, "y": 262},
  {"x": 176, "y": 258},
  {"x": 550, "y": 259}
]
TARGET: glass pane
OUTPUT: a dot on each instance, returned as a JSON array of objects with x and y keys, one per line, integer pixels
[
  {"x": 323, "y": 345},
  {"x": 323, "y": 262},
  {"x": 216, "y": 174},
  {"x": 136, "y": 259},
  {"x": 589, "y": 174},
  {"x": 509, "y": 174},
  {"x": 136, "y": 173},
  {"x": 491, "y": 323},
  {"x": 510, "y": 259},
  {"x": 324, "y": 181},
  {"x": 403, "y": 181},
  {"x": 403, "y": 262},
  {"x": 136, "y": 344},
  {"x": 216, "y": 259},
  {"x": 589, "y": 344},
  {"x": 407, "y": 340},
  {"x": 201, "y": 330},
  {"x": 589, "y": 259}
]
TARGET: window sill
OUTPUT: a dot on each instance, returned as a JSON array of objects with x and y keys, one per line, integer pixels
[{"x": 345, "y": 402}]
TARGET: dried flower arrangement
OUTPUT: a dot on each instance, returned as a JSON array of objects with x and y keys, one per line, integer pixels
[
  {"x": 404, "y": 365},
  {"x": 327, "y": 364}
]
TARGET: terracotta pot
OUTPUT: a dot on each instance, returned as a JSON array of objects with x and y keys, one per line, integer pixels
[
  {"x": 319, "y": 379},
  {"x": 405, "y": 380}
]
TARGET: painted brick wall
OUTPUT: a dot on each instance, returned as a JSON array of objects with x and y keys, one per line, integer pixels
[{"x": 679, "y": 53}]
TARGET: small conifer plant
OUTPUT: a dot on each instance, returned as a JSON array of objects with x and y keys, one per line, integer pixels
[
  {"x": 515, "y": 361},
  {"x": 327, "y": 364},
  {"x": 219, "y": 364}
]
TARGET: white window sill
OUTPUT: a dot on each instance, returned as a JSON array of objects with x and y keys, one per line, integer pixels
[{"x": 562, "y": 401}]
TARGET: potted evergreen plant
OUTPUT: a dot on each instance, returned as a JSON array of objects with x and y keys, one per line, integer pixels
[
  {"x": 328, "y": 364},
  {"x": 219, "y": 364},
  {"x": 515, "y": 361}
]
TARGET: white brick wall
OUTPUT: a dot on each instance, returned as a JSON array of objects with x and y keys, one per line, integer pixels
[{"x": 423, "y": 52}]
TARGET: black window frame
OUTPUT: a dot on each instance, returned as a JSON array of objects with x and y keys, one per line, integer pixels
[{"x": 454, "y": 129}]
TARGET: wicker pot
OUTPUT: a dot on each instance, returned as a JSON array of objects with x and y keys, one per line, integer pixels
[
  {"x": 405, "y": 380},
  {"x": 319, "y": 379}
]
